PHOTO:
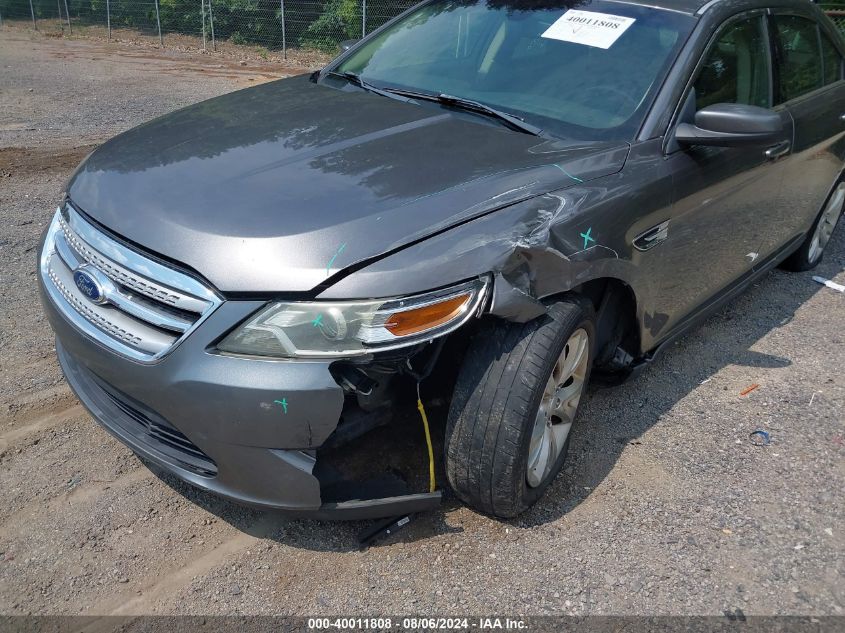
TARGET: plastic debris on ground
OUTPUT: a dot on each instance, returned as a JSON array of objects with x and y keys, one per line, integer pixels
[
  {"x": 382, "y": 529},
  {"x": 749, "y": 389},
  {"x": 760, "y": 437},
  {"x": 830, "y": 284}
]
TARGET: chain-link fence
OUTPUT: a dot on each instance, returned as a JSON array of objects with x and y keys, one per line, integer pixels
[
  {"x": 838, "y": 17},
  {"x": 274, "y": 24}
]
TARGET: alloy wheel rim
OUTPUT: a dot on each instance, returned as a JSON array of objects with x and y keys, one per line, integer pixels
[
  {"x": 827, "y": 222},
  {"x": 558, "y": 405}
]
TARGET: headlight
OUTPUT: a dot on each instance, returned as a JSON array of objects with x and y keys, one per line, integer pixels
[{"x": 346, "y": 328}]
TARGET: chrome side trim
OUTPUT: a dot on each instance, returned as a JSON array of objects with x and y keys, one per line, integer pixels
[
  {"x": 706, "y": 7},
  {"x": 652, "y": 237}
]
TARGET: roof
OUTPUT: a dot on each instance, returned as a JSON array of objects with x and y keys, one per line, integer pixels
[
  {"x": 681, "y": 6},
  {"x": 693, "y": 7}
]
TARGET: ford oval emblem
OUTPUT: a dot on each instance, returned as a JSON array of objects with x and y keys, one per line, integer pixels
[{"x": 89, "y": 285}]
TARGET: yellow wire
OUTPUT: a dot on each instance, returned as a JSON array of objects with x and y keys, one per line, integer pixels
[{"x": 432, "y": 484}]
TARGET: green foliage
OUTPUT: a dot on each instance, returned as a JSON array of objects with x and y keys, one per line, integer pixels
[
  {"x": 340, "y": 20},
  {"x": 179, "y": 16},
  {"x": 319, "y": 24}
]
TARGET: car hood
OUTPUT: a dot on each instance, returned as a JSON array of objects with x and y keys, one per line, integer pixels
[{"x": 281, "y": 186}]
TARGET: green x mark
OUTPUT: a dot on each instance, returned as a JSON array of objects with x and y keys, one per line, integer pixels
[{"x": 587, "y": 238}]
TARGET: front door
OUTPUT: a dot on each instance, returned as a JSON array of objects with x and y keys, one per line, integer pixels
[{"x": 721, "y": 196}]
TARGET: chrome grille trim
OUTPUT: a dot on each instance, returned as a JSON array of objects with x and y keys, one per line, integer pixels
[
  {"x": 118, "y": 262},
  {"x": 123, "y": 301},
  {"x": 148, "y": 309},
  {"x": 92, "y": 316}
]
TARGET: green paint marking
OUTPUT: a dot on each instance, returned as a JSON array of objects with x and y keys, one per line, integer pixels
[
  {"x": 334, "y": 257},
  {"x": 575, "y": 178},
  {"x": 318, "y": 321},
  {"x": 282, "y": 402},
  {"x": 587, "y": 238}
]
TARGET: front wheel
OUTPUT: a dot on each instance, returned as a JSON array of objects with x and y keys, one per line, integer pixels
[
  {"x": 811, "y": 251},
  {"x": 515, "y": 401}
]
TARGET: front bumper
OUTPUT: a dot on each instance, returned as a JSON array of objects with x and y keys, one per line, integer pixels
[{"x": 217, "y": 421}]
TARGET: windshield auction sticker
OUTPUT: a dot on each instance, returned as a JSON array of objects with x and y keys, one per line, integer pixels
[{"x": 588, "y": 27}]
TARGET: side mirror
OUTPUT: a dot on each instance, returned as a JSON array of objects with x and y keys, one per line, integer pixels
[
  {"x": 731, "y": 125},
  {"x": 345, "y": 45}
]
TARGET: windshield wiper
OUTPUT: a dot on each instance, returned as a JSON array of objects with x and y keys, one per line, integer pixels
[
  {"x": 469, "y": 105},
  {"x": 359, "y": 81},
  {"x": 511, "y": 120}
]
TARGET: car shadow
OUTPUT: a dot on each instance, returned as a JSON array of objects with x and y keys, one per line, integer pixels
[
  {"x": 614, "y": 420},
  {"x": 611, "y": 420}
]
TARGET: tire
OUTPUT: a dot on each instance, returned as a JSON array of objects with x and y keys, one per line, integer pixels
[
  {"x": 811, "y": 251},
  {"x": 496, "y": 404}
]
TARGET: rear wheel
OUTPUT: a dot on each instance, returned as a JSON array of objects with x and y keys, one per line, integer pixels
[
  {"x": 515, "y": 401},
  {"x": 811, "y": 251}
]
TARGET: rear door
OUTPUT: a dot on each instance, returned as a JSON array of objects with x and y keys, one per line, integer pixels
[
  {"x": 721, "y": 195},
  {"x": 809, "y": 84}
]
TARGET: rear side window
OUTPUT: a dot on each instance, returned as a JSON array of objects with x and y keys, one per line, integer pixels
[
  {"x": 799, "y": 63},
  {"x": 736, "y": 68},
  {"x": 832, "y": 61}
]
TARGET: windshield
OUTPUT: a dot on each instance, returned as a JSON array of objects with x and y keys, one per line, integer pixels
[{"x": 578, "y": 69}]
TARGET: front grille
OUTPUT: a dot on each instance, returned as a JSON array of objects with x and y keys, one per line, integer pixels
[
  {"x": 142, "y": 308},
  {"x": 159, "y": 434}
]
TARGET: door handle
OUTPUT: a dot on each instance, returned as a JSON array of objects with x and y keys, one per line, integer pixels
[
  {"x": 776, "y": 151},
  {"x": 651, "y": 238}
]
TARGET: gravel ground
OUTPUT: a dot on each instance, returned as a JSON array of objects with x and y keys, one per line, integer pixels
[{"x": 665, "y": 506}]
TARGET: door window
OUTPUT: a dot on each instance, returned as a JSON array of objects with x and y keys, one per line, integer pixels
[
  {"x": 832, "y": 61},
  {"x": 736, "y": 69},
  {"x": 799, "y": 61}
]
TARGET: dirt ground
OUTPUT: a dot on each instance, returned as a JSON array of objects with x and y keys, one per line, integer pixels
[
  {"x": 665, "y": 506},
  {"x": 298, "y": 59}
]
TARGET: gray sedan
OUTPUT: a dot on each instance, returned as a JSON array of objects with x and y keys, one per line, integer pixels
[{"x": 485, "y": 203}]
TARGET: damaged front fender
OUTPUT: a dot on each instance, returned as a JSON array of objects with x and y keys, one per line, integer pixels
[{"x": 535, "y": 249}]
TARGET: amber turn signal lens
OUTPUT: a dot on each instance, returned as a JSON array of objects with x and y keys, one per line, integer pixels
[{"x": 426, "y": 317}]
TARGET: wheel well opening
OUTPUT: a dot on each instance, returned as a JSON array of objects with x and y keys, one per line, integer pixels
[{"x": 617, "y": 334}]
